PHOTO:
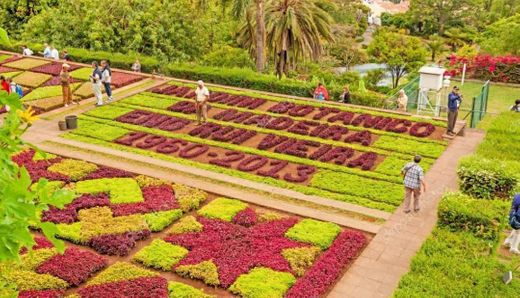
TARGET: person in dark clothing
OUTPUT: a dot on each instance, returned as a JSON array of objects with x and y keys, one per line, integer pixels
[
  {"x": 514, "y": 222},
  {"x": 454, "y": 101},
  {"x": 516, "y": 106},
  {"x": 66, "y": 56},
  {"x": 345, "y": 96}
]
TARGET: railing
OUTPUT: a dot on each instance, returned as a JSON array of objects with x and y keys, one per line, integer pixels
[
  {"x": 479, "y": 106},
  {"x": 412, "y": 91}
]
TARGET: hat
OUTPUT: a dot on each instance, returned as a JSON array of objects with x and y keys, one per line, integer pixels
[
  {"x": 456, "y": 88},
  {"x": 65, "y": 65}
]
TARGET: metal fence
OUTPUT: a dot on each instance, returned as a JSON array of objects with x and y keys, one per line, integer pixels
[
  {"x": 412, "y": 91},
  {"x": 479, "y": 106}
]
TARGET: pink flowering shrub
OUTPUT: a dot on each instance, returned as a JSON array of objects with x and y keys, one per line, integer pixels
[
  {"x": 486, "y": 67},
  {"x": 41, "y": 294},
  {"x": 143, "y": 287},
  {"x": 74, "y": 266},
  {"x": 329, "y": 266}
]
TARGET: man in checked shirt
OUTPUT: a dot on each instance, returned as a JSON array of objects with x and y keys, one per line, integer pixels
[{"x": 413, "y": 180}]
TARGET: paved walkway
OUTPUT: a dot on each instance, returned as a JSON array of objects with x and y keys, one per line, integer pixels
[{"x": 376, "y": 273}]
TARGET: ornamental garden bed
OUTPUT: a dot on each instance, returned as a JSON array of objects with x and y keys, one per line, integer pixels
[
  {"x": 343, "y": 153},
  {"x": 134, "y": 236},
  {"x": 41, "y": 82}
]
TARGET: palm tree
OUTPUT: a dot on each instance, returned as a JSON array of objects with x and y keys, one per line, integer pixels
[
  {"x": 296, "y": 29},
  {"x": 436, "y": 45}
]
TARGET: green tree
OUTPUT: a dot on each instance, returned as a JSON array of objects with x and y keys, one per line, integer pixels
[
  {"x": 502, "y": 37},
  {"x": 436, "y": 45},
  {"x": 15, "y": 13},
  {"x": 401, "y": 53},
  {"x": 439, "y": 13},
  {"x": 348, "y": 52}
]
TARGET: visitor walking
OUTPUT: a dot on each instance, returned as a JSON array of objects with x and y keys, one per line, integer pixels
[
  {"x": 106, "y": 78},
  {"x": 46, "y": 51},
  {"x": 65, "y": 85},
  {"x": 345, "y": 96},
  {"x": 413, "y": 180},
  {"x": 514, "y": 221},
  {"x": 95, "y": 79},
  {"x": 66, "y": 56},
  {"x": 201, "y": 99},
  {"x": 320, "y": 93},
  {"x": 136, "y": 67},
  {"x": 4, "y": 85},
  {"x": 54, "y": 53},
  {"x": 26, "y": 51},
  {"x": 516, "y": 106},
  {"x": 402, "y": 101},
  {"x": 454, "y": 101}
]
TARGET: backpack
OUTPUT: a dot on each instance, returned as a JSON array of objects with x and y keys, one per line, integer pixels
[{"x": 19, "y": 90}]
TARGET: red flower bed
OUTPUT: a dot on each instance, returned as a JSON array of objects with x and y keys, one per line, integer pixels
[
  {"x": 485, "y": 67},
  {"x": 106, "y": 172},
  {"x": 54, "y": 68},
  {"x": 6, "y": 69},
  {"x": 156, "y": 198},
  {"x": 69, "y": 213},
  {"x": 329, "y": 266},
  {"x": 144, "y": 287},
  {"x": 246, "y": 218},
  {"x": 42, "y": 294},
  {"x": 38, "y": 169},
  {"x": 74, "y": 266},
  {"x": 236, "y": 249},
  {"x": 121, "y": 79},
  {"x": 119, "y": 245},
  {"x": 41, "y": 242},
  {"x": 56, "y": 80}
]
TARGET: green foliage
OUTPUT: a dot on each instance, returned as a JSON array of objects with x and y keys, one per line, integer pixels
[
  {"x": 108, "y": 112},
  {"x": 433, "y": 150},
  {"x": 26, "y": 63},
  {"x": 145, "y": 181},
  {"x": 40, "y": 155},
  {"x": 486, "y": 179},
  {"x": 34, "y": 258},
  {"x": 206, "y": 271},
  {"x": 301, "y": 258},
  {"x": 70, "y": 232},
  {"x": 82, "y": 73},
  {"x": 401, "y": 53},
  {"x": 4, "y": 38},
  {"x": 99, "y": 131},
  {"x": 29, "y": 280},
  {"x": 99, "y": 221},
  {"x": 73, "y": 168},
  {"x": 315, "y": 232},
  {"x": 483, "y": 219},
  {"x": 188, "y": 224},
  {"x": 227, "y": 56},
  {"x": 120, "y": 271},
  {"x": 121, "y": 190},
  {"x": 502, "y": 140},
  {"x": 502, "y": 37},
  {"x": 142, "y": 99},
  {"x": 157, "y": 221},
  {"x": 262, "y": 283},
  {"x": 456, "y": 264},
  {"x": 181, "y": 290},
  {"x": 222, "y": 208},
  {"x": 32, "y": 79},
  {"x": 46, "y": 92},
  {"x": 189, "y": 198},
  {"x": 21, "y": 205},
  {"x": 161, "y": 255}
]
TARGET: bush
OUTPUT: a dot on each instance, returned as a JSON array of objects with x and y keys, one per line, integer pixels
[
  {"x": 227, "y": 56},
  {"x": 486, "y": 179},
  {"x": 483, "y": 219}
]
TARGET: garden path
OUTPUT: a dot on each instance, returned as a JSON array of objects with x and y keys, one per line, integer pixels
[{"x": 376, "y": 273}]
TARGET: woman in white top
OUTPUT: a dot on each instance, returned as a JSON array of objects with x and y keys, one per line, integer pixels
[
  {"x": 402, "y": 101},
  {"x": 201, "y": 99},
  {"x": 106, "y": 78}
]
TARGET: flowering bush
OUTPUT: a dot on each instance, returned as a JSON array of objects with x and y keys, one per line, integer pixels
[{"x": 486, "y": 67}]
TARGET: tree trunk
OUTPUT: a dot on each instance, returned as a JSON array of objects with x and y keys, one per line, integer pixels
[{"x": 260, "y": 36}]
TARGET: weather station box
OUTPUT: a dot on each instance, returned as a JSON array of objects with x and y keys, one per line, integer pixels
[{"x": 431, "y": 78}]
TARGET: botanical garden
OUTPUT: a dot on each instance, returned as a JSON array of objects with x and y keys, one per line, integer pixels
[{"x": 259, "y": 148}]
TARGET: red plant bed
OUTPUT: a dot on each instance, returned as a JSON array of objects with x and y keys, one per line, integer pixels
[
  {"x": 41, "y": 242},
  {"x": 74, "y": 266},
  {"x": 120, "y": 79},
  {"x": 156, "y": 198},
  {"x": 56, "y": 80},
  {"x": 144, "y": 287},
  {"x": 107, "y": 172},
  {"x": 119, "y": 245},
  {"x": 6, "y": 69},
  {"x": 329, "y": 266},
  {"x": 42, "y": 294},
  {"x": 54, "y": 68},
  {"x": 69, "y": 213}
]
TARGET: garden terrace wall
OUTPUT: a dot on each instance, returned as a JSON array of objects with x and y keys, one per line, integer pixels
[{"x": 224, "y": 243}]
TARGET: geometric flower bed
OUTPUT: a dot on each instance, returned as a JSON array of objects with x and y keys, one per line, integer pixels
[
  {"x": 41, "y": 77},
  {"x": 226, "y": 244},
  {"x": 332, "y": 151}
]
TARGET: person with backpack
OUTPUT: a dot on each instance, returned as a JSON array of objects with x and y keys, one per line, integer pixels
[
  {"x": 321, "y": 93},
  {"x": 65, "y": 85},
  {"x": 413, "y": 175},
  {"x": 95, "y": 79},
  {"x": 106, "y": 79},
  {"x": 14, "y": 88},
  {"x": 513, "y": 240}
]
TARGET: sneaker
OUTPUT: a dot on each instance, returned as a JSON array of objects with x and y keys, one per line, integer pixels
[
  {"x": 110, "y": 99},
  {"x": 98, "y": 104},
  {"x": 66, "y": 105},
  {"x": 507, "y": 243},
  {"x": 514, "y": 251}
]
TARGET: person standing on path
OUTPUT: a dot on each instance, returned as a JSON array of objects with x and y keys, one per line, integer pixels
[
  {"x": 54, "y": 53},
  {"x": 201, "y": 100},
  {"x": 65, "y": 85},
  {"x": 95, "y": 79},
  {"x": 413, "y": 180},
  {"x": 514, "y": 221},
  {"x": 46, "y": 51},
  {"x": 345, "y": 96},
  {"x": 106, "y": 78},
  {"x": 402, "y": 101},
  {"x": 321, "y": 93},
  {"x": 454, "y": 101}
]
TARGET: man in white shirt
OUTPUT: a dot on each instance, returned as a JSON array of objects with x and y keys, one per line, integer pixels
[
  {"x": 46, "y": 51},
  {"x": 26, "y": 51},
  {"x": 106, "y": 79},
  {"x": 201, "y": 99},
  {"x": 95, "y": 79},
  {"x": 54, "y": 53}
]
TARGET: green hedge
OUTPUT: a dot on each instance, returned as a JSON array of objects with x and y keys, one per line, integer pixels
[
  {"x": 486, "y": 179},
  {"x": 238, "y": 77},
  {"x": 483, "y": 219}
]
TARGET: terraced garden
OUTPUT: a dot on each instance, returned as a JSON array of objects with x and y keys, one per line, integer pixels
[
  {"x": 41, "y": 83},
  {"x": 339, "y": 152},
  {"x": 134, "y": 236}
]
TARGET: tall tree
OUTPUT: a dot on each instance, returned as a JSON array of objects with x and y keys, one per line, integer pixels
[
  {"x": 502, "y": 37},
  {"x": 439, "y": 13},
  {"x": 401, "y": 53},
  {"x": 436, "y": 45},
  {"x": 296, "y": 29}
]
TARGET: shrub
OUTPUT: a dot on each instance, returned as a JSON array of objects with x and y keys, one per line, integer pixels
[
  {"x": 486, "y": 179},
  {"x": 120, "y": 271},
  {"x": 315, "y": 232},
  {"x": 157, "y": 221},
  {"x": 161, "y": 255},
  {"x": 121, "y": 190},
  {"x": 227, "y": 56},
  {"x": 188, "y": 224},
  {"x": 262, "y": 282},
  {"x": 484, "y": 219},
  {"x": 180, "y": 290},
  {"x": 206, "y": 271},
  {"x": 301, "y": 258},
  {"x": 222, "y": 208},
  {"x": 75, "y": 169},
  {"x": 189, "y": 198}
]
